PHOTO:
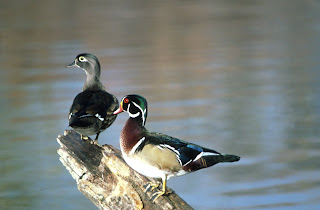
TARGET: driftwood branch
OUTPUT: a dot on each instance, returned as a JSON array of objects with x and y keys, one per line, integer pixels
[{"x": 102, "y": 175}]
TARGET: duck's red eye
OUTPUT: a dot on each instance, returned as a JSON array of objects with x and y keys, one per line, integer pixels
[{"x": 126, "y": 100}]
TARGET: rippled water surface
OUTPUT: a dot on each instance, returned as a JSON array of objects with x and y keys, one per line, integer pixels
[{"x": 241, "y": 77}]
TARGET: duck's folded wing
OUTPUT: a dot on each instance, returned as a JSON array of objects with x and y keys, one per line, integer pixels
[{"x": 187, "y": 152}]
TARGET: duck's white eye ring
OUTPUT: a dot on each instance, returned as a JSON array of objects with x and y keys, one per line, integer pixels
[{"x": 82, "y": 59}]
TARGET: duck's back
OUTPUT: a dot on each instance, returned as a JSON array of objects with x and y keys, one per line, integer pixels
[{"x": 91, "y": 106}]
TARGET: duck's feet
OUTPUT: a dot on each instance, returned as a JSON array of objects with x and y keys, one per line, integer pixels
[
  {"x": 94, "y": 142},
  {"x": 163, "y": 191},
  {"x": 84, "y": 138},
  {"x": 151, "y": 186},
  {"x": 89, "y": 140},
  {"x": 156, "y": 195}
]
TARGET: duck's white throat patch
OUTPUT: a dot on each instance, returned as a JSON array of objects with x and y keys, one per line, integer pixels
[{"x": 131, "y": 114}]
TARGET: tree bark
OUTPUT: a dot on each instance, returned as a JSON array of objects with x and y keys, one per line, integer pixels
[{"x": 103, "y": 176}]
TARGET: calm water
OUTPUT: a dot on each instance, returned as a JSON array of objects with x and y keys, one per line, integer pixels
[{"x": 241, "y": 77}]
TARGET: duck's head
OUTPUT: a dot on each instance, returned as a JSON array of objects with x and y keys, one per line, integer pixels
[
  {"x": 88, "y": 62},
  {"x": 136, "y": 106}
]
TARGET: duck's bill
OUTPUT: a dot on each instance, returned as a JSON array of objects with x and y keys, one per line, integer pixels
[
  {"x": 73, "y": 64},
  {"x": 119, "y": 110}
]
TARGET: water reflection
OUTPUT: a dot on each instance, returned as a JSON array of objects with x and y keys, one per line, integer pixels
[{"x": 240, "y": 77}]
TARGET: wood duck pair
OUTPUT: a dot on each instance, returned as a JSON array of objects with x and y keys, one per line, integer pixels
[
  {"x": 151, "y": 154},
  {"x": 91, "y": 110}
]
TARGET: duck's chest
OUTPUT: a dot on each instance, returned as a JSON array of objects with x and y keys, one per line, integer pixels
[{"x": 130, "y": 135}]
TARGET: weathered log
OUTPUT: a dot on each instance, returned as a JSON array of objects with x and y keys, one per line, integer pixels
[{"x": 103, "y": 176}]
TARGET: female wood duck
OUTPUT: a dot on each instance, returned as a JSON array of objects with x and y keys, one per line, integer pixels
[
  {"x": 158, "y": 155},
  {"x": 91, "y": 111}
]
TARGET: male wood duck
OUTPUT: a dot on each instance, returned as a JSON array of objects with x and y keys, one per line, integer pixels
[
  {"x": 91, "y": 111},
  {"x": 158, "y": 155}
]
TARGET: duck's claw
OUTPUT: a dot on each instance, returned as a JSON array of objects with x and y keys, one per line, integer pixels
[
  {"x": 151, "y": 186},
  {"x": 84, "y": 138},
  {"x": 156, "y": 195},
  {"x": 94, "y": 142}
]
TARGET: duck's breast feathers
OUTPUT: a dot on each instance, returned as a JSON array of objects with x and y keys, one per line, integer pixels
[
  {"x": 99, "y": 104},
  {"x": 186, "y": 152}
]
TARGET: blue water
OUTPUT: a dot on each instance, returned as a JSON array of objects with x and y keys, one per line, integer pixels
[{"x": 241, "y": 77}]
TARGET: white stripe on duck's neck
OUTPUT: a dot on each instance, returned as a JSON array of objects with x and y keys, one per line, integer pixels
[
  {"x": 135, "y": 115},
  {"x": 132, "y": 115},
  {"x": 143, "y": 112}
]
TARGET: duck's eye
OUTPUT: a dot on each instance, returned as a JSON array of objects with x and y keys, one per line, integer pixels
[
  {"x": 82, "y": 59},
  {"x": 126, "y": 100}
]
